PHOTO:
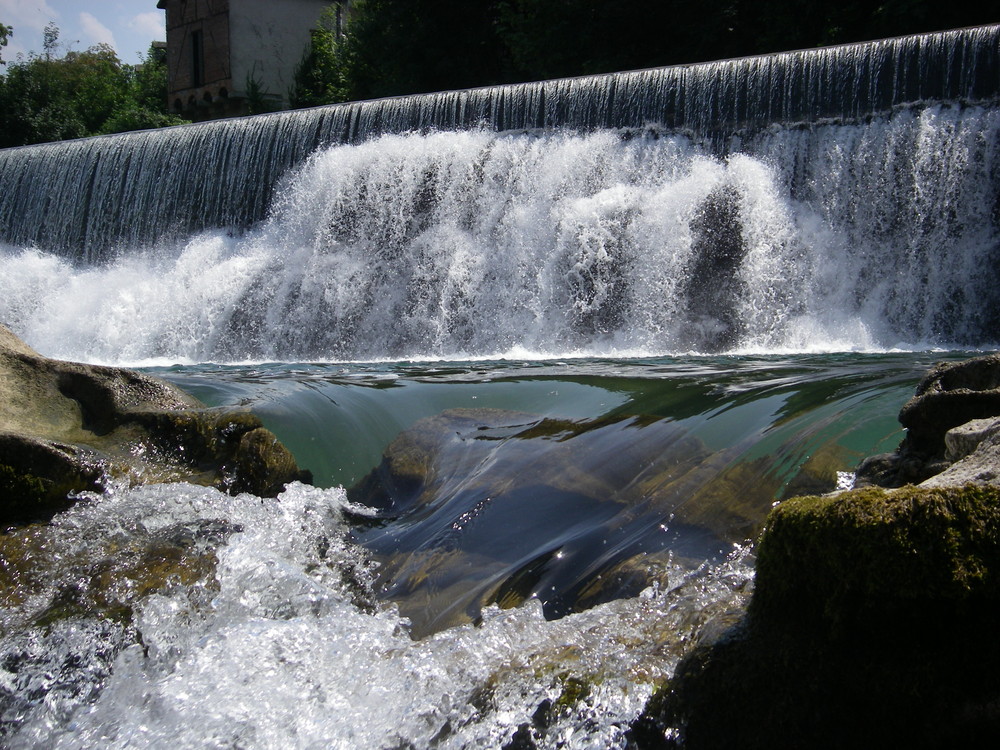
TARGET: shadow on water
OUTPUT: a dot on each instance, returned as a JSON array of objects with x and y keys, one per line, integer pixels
[{"x": 571, "y": 484}]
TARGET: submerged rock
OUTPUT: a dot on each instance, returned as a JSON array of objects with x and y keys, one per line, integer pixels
[
  {"x": 43, "y": 579},
  {"x": 874, "y": 615},
  {"x": 67, "y": 427},
  {"x": 591, "y": 510}
]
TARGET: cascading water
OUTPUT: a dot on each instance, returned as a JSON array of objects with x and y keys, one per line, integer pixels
[
  {"x": 91, "y": 197},
  {"x": 774, "y": 209},
  {"x": 481, "y": 244}
]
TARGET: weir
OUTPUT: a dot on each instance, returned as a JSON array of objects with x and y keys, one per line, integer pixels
[
  {"x": 830, "y": 199},
  {"x": 486, "y": 313},
  {"x": 88, "y": 196}
]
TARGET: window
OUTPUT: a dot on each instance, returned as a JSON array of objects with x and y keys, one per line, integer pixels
[{"x": 197, "y": 60}]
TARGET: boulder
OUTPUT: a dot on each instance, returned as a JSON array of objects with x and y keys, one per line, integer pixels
[
  {"x": 962, "y": 441},
  {"x": 67, "y": 427},
  {"x": 593, "y": 509},
  {"x": 949, "y": 396},
  {"x": 873, "y": 618},
  {"x": 44, "y": 579}
]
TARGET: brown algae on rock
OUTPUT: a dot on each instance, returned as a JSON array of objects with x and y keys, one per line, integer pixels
[{"x": 67, "y": 427}]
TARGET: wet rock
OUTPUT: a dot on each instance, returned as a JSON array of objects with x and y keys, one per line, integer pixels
[
  {"x": 44, "y": 579},
  {"x": 593, "y": 510},
  {"x": 949, "y": 396},
  {"x": 873, "y": 617},
  {"x": 870, "y": 559},
  {"x": 486, "y": 454},
  {"x": 68, "y": 427}
]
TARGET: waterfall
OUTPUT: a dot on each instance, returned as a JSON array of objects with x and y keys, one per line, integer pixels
[
  {"x": 840, "y": 198},
  {"x": 89, "y": 196}
]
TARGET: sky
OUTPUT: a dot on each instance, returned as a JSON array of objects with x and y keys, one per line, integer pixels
[{"x": 127, "y": 25}]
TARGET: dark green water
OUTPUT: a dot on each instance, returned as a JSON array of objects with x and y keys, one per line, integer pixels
[{"x": 572, "y": 482}]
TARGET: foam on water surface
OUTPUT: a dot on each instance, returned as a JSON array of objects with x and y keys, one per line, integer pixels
[{"x": 279, "y": 647}]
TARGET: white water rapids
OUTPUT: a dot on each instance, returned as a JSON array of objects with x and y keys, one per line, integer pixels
[
  {"x": 478, "y": 244},
  {"x": 271, "y": 650}
]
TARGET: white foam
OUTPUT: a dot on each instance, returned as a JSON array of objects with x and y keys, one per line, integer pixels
[
  {"x": 271, "y": 651},
  {"x": 479, "y": 245}
]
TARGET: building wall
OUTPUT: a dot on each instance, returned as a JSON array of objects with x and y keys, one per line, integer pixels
[
  {"x": 268, "y": 39},
  {"x": 199, "y": 69},
  {"x": 215, "y": 48}
]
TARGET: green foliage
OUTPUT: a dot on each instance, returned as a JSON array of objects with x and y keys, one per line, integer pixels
[
  {"x": 392, "y": 47},
  {"x": 257, "y": 100},
  {"x": 321, "y": 75},
  {"x": 556, "y": 38},
  {"x": 149, "y": 80},
  {"x": 6, "y": 32},
  {"x": 132, "y": 117},
  {"x": 49, "y": 98}
]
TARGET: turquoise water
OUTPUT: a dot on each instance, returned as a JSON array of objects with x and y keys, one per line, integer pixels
[
  {"x": 572, "y": 523},
  {"x": 338, "y": 418},
  {"x": 568, "y": 481}
]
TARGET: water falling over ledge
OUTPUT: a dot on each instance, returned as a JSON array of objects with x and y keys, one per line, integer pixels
[{"x": 89, "y": 197}]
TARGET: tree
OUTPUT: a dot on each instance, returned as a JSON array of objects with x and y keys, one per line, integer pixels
[
  {"x": 150, "y": 79},
  {"x": 48, "y": 98},
  {"x": 394, "y": 47},
  {"x": 321, "y": 76},
  {"x": 145, "y": 106},
  {"x": 6, "y": 32},
  {"x": 35, "y": 106},
  {"x": 557, "y": 38}
]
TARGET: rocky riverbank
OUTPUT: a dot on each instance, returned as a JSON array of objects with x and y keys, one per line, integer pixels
[
  {"x": 66, "y": 428},
  {"x": 874, "y": 616}
]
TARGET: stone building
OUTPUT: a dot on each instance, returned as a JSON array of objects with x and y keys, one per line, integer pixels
[{"x": 226, "y": 57}]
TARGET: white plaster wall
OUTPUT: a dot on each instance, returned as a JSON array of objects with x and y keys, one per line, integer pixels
[{"x": 267, "y": 40}]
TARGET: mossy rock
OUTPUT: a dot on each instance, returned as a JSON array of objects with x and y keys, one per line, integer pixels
[
  {"x": 44, "y": 579},
  {"x": 38, "y": 476},
  {"x": 866, "y": 558},
  {"x": 67, "y": 427},
  {"x": 874, "y": 618}
]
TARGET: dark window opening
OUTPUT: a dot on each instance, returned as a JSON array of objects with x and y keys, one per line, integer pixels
[{"x": 197, "y": 60}]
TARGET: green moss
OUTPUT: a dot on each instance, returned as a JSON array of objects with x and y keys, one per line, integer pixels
[
  {"x": 574, "y": 690},
  {"x": 871, "y": 556},
  {"x": 21, "y": 485},
  {"x": 25, "y": 497},
  {"x": 48, "y": 582},
  {"x": 873, "y": 618}
]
